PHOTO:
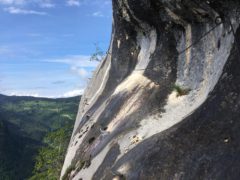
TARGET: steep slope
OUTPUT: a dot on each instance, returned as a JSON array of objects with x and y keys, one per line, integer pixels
[
  {"x": 164, "y": 104},
  {"x": 24, "y": 121}
]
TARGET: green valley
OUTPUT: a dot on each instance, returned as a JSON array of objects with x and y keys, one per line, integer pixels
[{"x": 34, "y": 132}]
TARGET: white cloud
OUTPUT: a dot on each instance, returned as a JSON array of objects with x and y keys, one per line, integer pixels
[
  {"x": 12, "y": 2},
  {"x": 98, "y": 14},
  {"x": 21, "y": 3},
  {"x": 73, "y": 93},
  {"x": 50, "y": 4},
  {"x": 79, "y": 71},
  {"x": 75, "y": 60},
  {"x": 46, "y": 4},
  {"x": 14, "y": 10},
  {"x": 73, "y": 3},
  {"x": 77, "y": 63},
  {"x": 97, "y": 3},
  {"x": 33, "y": 94}
]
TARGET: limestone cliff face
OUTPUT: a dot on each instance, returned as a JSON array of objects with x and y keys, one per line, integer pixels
[{"x": 165, "y": 102}]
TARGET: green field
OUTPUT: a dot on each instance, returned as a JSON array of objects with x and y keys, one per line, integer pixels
[{"x": 31, "y": 128}]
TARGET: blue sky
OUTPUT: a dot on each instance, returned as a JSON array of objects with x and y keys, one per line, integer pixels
[{"x": 45, "y": 45}]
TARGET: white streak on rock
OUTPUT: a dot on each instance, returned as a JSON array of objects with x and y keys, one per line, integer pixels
[
  {"x": 118, "y": 43},
  {"x": 100, "y": 89},
  {"x": 188, "y": 52},
  {"x": 147, "y": 44}
]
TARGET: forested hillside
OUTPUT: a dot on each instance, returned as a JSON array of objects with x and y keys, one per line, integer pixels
[{"x": 27, "y": 126}]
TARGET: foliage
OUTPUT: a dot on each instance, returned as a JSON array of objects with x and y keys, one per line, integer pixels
[
  {"x": 50, "y": 159},
  {"x": 180, "y": 91},
  {"x": 98, "y": 55}
]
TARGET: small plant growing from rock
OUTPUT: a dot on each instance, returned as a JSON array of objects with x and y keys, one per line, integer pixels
[
  {"x": 180, "y": 91},
  {"x": 98, "y": 55}
]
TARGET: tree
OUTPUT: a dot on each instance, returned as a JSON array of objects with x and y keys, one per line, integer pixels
[
  {"x": 98, "y": 55},
  {"x": 50, "y": 159}
]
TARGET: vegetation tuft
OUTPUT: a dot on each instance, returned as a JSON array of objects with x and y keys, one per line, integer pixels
[
  {"x": 98, "y": 55},
  {"x": 180, "y": 91}
]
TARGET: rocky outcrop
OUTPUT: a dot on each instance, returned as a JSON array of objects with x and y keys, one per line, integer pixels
[{"x": 165, "y": 102}]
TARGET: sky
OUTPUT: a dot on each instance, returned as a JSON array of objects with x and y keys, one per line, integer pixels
[{"x": 46, "y": 45}]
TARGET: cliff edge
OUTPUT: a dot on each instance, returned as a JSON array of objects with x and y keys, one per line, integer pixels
[{"x": 165, "y": 102}]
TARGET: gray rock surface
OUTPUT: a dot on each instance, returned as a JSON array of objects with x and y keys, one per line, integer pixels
[{"x": 164, "y": 103}]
